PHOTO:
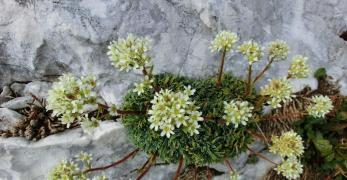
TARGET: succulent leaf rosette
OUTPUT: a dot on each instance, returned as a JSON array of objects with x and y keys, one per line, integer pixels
[{"x": 196, "y": 122}]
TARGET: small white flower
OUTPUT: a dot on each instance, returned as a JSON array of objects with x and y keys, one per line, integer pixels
[
  {"x": 112, "y": 110},
  {"x": 141, "y": 87},
  {"x": 299, "y": 67},
  {"x": 279, "y": 90},
  {"x": 237, "y": 112},
  {"x": 320, "y": 106},
  {"x": 289, "y": 144},
  {"x": 130, "y": 53},
  {"x": 252, "y": 51},
  {"x": 172, "y": 110},
  {"x": 290, "y": 168},
  {"x": 224, "y": 40},
  {"x": 278, "y": 50}
]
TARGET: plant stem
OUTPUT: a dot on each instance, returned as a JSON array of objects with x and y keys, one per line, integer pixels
[
  {"x": 228, "y": 164},
  {"x": 151, "y": 161},
  {"x": 150, "y": 76},
  {"x": 128, "y": 112},
  {"x": 195, "y": 173},
  {"x": 249, "y": 84},
  {"x": 131, "y": 154},
  {"x": 219, "y": 80},
  {"x": 264, "y": 70},
  {"x": 145, "y": 72},
  {"x": 208, "y": 172},
  {"x": 180, "y": 164},
  {"x": 261, "y": 156}
]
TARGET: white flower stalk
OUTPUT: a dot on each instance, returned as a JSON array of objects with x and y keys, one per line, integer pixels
[
  {"x": 251, "y": 51},
  {"x": 224, "y": 40},
  {"x": 130, "y": 53},
  {"x": 279, "y": 91},
  {"x": 71, "y": 98},
  {"x": 320, "y": 106},
  {"x": 278, "y": 50},
  {"x": 290, "y": 168},
  {"x": 140, "y": 88},
  {"x": 237, "y": 112},
  {"x": 289, "y": 144},
  {"x": 172, "y": 110},
  {"x": 299, "y": 67}
]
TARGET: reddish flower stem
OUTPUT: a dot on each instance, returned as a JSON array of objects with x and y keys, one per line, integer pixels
[
  {"x": 228, "y": 164},
  {"x": 208, "y": 173},
  {"x": 180, "y": 164},
  {"x": 195, "y": 173},
  {"x": 261, "y": 156},
  {"x": 263, "y": 71},
  {"x": 221, "y": 68},
  {"x": 145, "y": 171},
  {"x": 249, "y": 82},
  {"x": 131, "y": 154}
]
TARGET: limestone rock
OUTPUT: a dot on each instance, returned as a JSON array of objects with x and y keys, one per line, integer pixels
[
  {"x": 18, "y": 89},
  {"x": 37, "y": 88},
  {"x": 19, "y": 103},
  {"x": 21, "y": 159},
  {"x": 5, "y": 95},
  {"x": 8, "y": 118},
  {"x": 40, "y": 40}
]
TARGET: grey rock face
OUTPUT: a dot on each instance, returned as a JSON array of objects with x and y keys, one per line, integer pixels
[
  {"x": 73, "y": 36},
  {"x": 5, "y": 95},
  {"x": 19, "y": 103},
  {"x": 37, "y": 88},
  {"x": 22, "y": 159},
  {"x": 8, "y": 118}
]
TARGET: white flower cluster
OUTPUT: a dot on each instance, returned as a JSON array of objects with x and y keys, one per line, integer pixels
[
  {"x": 145, "y": 84},
  {"x": 290, "y": 168},
  {"x": 70, "y": 98},
  {"x": 299, "y": 67},
  {"x": 224, "y": 40},
  {"x": 290, "y": 147},
  {"x": 88, "y": 124},
  {"x": 237, "y": 112},
  {"x": 278, "y": 50},
  {"x": 289, "y": 144},
  {"x": 251, "y": 50},
  {"x": 130, "y": 53},
  {"x": 320, "y": 106},
  {"x": 279, "y": 91},
  {"x": 172, "y": 110},
  {"x": 69, "y": 170}
]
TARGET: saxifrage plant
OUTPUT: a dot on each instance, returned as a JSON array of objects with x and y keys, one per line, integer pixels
[{"x": 189, "y": 121}]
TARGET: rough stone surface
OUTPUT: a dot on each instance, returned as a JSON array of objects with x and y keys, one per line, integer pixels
[
  {"x": 5, "y": 95},
  {"x": 8, "y": 118},
  {"x": 72, "y": 36},
  {"x": 37, "y": 88},
  {"x": 19, "y": 103},
  {"x": 18, "y": 89},
  {"x": 20, "y": 159}
]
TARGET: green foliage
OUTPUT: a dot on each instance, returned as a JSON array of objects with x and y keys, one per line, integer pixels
[
  {"x": 214, "y": 142},
  {"x": 320, "y": 73},
  {"x": 326, "y": 148}
]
